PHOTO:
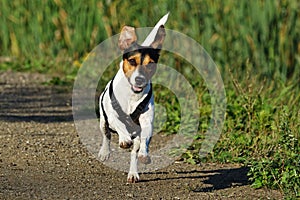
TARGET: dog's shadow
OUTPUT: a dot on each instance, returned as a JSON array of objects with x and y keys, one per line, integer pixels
[{"x": 209, "y": 180}]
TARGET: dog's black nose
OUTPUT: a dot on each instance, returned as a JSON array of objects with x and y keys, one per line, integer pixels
[{"x": 139, "y": 80}]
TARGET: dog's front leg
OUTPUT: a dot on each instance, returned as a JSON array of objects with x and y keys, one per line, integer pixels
[
  {"x": 146, "y": 134},
  {"x": 125, "y": 141},
  {"x": 106, "y": 136},
  {"x": 133, "y": 175}
]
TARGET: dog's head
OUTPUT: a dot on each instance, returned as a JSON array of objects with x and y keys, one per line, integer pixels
[{"x": 139, "y": 62}]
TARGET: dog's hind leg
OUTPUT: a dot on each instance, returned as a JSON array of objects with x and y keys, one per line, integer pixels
[
  {"x": 133, "y": 175},
  {"x": 106, "y": 136}
]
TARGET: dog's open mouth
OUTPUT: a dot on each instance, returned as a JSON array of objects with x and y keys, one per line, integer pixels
[{"x": 136, "y": 89}]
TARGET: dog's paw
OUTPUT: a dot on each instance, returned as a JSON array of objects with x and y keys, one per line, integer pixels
[
  {"x": 125, "y": 141},
  {"x": 145, "y": 159},
  {"x": 143, "y": 156},
  {"x": 103, "y": 154},
  {"x": 133, "y": 177},
  {"x": 125, "y": 144}
]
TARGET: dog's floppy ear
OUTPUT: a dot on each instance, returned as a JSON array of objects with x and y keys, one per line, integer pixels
[
  {"x": 127, "y": 37},
  {"x": 159, "y": 38}
]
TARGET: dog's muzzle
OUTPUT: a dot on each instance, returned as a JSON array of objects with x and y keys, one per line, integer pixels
[
  {"x": 139, "y": 83},
  {"x": 140, "y": 80}
]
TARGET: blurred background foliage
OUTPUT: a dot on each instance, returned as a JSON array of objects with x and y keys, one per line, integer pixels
[{"x": 264, "y": 34}]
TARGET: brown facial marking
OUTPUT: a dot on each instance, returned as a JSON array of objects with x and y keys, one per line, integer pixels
[
  {"x": 149, "y": 66},
  {"x": 147, "y": 60},
  {"x": 130, "y": 64},
  {"x": 134, "y": 63}
]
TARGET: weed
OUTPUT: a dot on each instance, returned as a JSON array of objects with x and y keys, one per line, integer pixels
[{"x": 281, "y": 169}]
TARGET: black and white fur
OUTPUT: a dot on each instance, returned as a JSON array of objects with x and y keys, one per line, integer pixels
[{"x": 131, "y": 85}]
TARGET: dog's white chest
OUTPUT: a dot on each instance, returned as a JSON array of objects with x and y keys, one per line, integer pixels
[{"x": 133, "y": 102}]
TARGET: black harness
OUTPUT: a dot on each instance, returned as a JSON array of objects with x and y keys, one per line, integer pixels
[{"x": 131, "y": 121}]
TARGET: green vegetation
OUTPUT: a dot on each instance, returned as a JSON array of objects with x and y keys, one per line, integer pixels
[{"x": 256, "y": 45}]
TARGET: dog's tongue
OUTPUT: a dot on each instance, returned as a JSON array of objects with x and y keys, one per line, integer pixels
[{"x": 136, "y": 89}]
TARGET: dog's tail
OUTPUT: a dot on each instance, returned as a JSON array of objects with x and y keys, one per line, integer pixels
[{"x": 150, "y": 38}]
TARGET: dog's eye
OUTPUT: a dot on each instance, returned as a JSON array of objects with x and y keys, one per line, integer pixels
[{"x": 132, "y": 62}]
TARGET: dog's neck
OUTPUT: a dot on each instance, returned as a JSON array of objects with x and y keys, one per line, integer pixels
[{"x": 124, "y": 94}]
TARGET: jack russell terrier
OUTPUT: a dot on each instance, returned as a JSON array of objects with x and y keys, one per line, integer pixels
[{"x": 127, "y": 103}]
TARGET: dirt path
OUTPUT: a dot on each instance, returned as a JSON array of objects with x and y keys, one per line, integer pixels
[{"x": 41, "y": 156}]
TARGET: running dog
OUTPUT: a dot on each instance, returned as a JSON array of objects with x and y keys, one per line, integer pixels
[{"x": 127, "y": 104}]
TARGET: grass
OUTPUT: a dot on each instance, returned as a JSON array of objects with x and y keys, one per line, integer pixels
[{"x": 256, "y": 45}]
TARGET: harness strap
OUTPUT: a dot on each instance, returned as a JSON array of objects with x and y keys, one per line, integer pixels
[
  {"x": 103, "y": 111},
  {"x": 131, "y": 121},
  {"x": 140, "y": 108},
  {"x": 107, "y": 128}
]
